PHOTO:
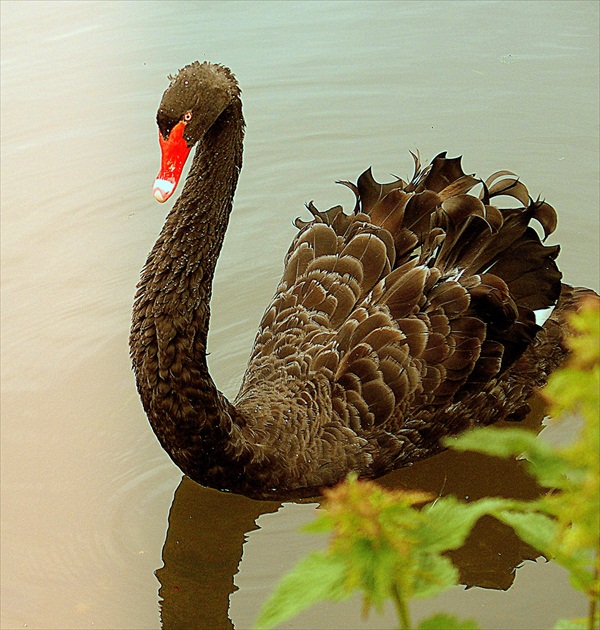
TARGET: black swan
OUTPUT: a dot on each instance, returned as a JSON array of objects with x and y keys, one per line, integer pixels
[{"x": 408, "y": 320}]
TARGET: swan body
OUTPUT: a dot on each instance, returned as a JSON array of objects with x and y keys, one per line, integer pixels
[{"x": 407, "y": 320}]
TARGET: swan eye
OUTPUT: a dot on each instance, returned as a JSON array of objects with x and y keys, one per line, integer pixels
[{"x": 187, "y": 117}]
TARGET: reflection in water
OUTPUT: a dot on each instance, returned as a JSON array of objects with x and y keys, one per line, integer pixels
[
  {"x": 207, "y": 532},
  {"x": 201, "y": 554}
]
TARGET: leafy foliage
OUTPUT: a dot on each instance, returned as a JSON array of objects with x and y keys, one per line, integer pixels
[
  {"x": 573, "y": 624},
  {"x": 316, "y": 578},
  {"x": 382, "y": 545},
  {"x": 442, "y": 621},
  {"x": 564, "y": 525}
]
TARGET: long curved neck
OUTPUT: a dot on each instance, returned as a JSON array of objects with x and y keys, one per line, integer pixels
[{"x": 190, "y": 417}]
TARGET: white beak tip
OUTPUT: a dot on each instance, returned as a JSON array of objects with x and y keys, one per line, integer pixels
[{"x": 162, "y": 190}]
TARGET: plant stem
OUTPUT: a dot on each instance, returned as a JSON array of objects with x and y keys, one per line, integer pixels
[
  {"x": 401, "y": 608},
  {"x": 594, "y": 596}
]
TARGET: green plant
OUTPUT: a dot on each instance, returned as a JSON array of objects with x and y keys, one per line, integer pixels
[
  {"x": 564, "y": 524},
  {"x": 383, "y": 545},
  {"x": 390, "y": 545}
]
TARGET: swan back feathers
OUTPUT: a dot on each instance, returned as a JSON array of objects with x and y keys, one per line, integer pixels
[{"x": 421, "y": 297}]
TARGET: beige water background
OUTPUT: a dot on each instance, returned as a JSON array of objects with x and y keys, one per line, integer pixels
[{"x": 329, "y": 88}]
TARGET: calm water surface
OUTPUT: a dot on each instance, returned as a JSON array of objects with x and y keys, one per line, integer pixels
[{"x": 95, "y": 518}]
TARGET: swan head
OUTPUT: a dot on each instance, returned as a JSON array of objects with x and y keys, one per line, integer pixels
[{"x": 197, "y": 95}]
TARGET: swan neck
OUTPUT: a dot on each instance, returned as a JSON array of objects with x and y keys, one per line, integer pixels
[
  {"x": 201, "y": 214},
  {"x": 190, "y": 417}
]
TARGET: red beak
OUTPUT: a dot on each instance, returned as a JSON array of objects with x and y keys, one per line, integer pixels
[{"x": 174, "y": 151}]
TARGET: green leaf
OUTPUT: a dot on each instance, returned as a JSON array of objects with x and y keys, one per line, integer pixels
[
  {"x": 374, "y": 570},
  {"x": 443, "y": 621},
  {"x": 433, "y": 575},
  {"x": 571, "y": 624},
  {"x": 316, "y": 578},
  {"x": 494, "y": 441},
  {"x": 449, "y": 521},
  {"x": 542, "y": 532},
  {"x": 544, "y": 463},
  {"x": 537, "y": 530},
  {"x": 321, "y": 525},
  {"x": 581, "y": 578}
]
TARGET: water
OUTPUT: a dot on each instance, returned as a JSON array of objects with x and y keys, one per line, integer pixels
[{"x": 91, "y": 506}]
